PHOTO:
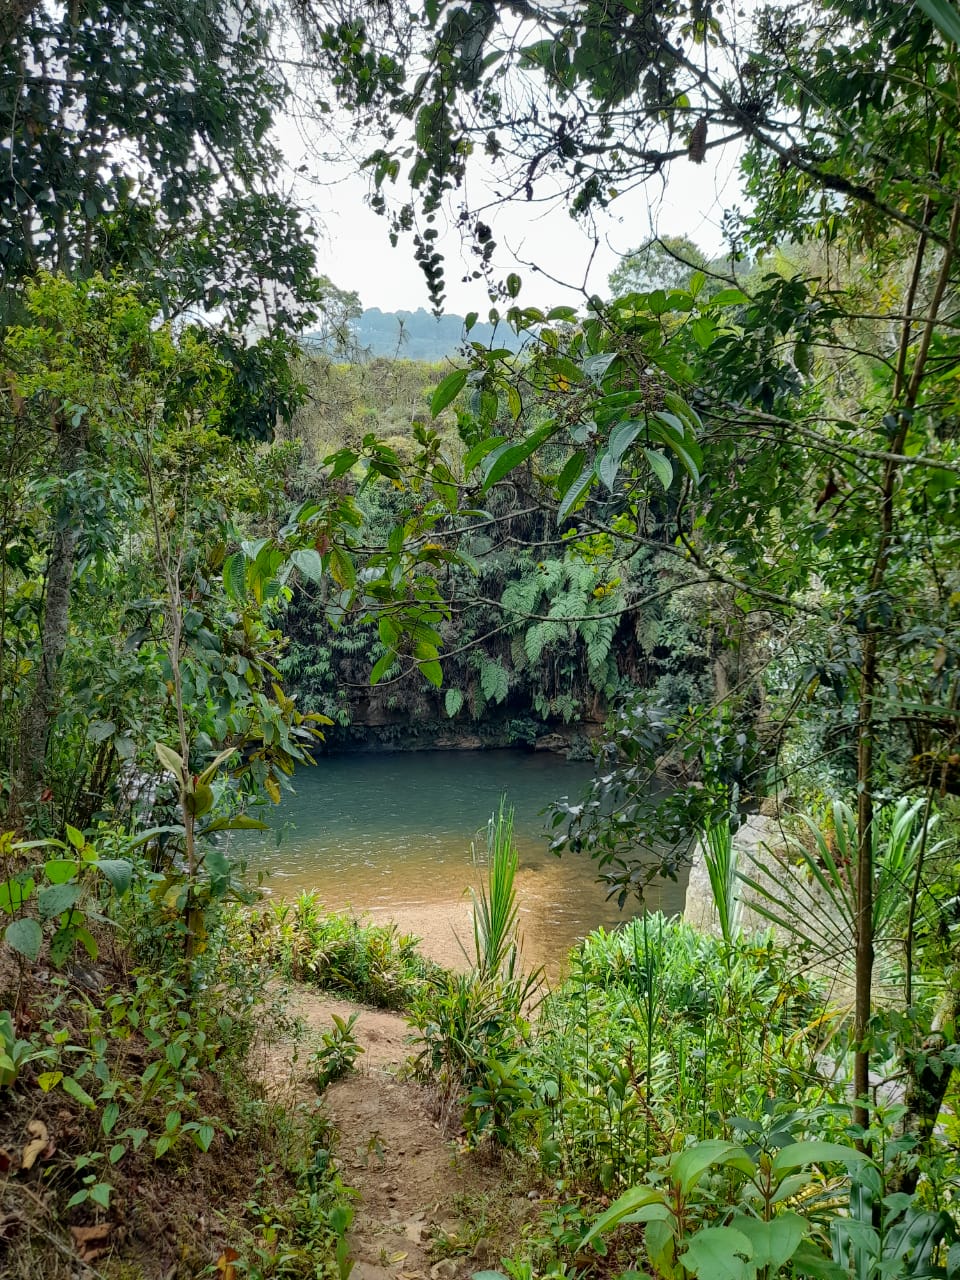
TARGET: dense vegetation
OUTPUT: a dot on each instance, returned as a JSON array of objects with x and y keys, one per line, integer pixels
[{"x": 718, "y": 506}]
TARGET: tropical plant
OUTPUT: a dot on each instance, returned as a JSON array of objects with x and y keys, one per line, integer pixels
[
  {"x": 495, "y": 910},
  {"x": 736, "y": 1225},
  {"x": 338, "y": 1051},
  {"x": 818, "y": 908},
  {"x": 721, "y": 859}
]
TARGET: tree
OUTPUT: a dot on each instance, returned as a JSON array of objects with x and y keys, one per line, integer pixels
[
  {"x": 667, "y": 262},
  {"x": 139, "y": 142},
  {"x": 782, "y": 485}
]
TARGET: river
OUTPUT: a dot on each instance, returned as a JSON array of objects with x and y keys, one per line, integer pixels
[{"x": 390, "y": 836}]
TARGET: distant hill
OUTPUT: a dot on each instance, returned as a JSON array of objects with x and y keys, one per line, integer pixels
[{"x": 417, "y": 335}]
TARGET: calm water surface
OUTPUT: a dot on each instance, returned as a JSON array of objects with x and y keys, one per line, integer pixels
[{"x": 384, "y": 833}]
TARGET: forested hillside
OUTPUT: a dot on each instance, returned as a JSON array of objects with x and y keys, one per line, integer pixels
[
  {"x": 414, "y": 335},
  {"x": 700, "y": 525}
]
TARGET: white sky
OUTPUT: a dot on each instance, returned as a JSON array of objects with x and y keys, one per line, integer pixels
[{"x": 355, "y": 251}]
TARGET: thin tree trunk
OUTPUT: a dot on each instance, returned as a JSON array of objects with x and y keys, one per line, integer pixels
[
  {"x": 907, "y": 397},
  {"x": 41, "y": 710},
  {"x": 864, "y": 884}
]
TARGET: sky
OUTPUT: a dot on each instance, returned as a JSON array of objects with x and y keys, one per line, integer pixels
[{"x": 355, "y": 252}]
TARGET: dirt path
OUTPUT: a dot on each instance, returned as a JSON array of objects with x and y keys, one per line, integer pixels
[{"x": 427, "y": 1210}]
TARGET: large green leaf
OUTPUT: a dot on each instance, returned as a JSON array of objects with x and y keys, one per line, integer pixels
[
  {"x": 309, "y": 563},
  {"x": 26, "y": 937},
  {"x": 689, "y": 1166},
  {"x": 774, "y": 1242},
  {"x": 447, "y": 390},
  {"x": 577, "y": 490},
  {"x": 620, "y": 1211},
  {"x": 720, "y": 1253},
  {"x": 60, "y": 870},
  {"x": 660, "y": 466},
  {"x": 170, "y": 759},
  {"x": 15, "y": 892},
  {"x": 944, "y": 17},
  {"x": 503, "y": 460},
  {"x": 480, "y": 450},
  {"x": 382, "y": 666},
  {"x": 56, "y": 899},
  {"x": 621, "y": 438},
  {"x": 799, "y": 1154},
  {"x": 118, "y": 871},
  {"x": 433, "y": 672},
  {"x": 235, "y": 576}
]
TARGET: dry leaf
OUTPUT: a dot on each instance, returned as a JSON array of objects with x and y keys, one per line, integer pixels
[
  {"x": 225, "y": 1263},
  {"x": 6, "y": 1160},
  {"x": 92, "y": 1242},
  {"x": 40, "y": 1141}
]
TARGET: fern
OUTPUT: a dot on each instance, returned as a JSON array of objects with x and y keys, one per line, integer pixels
[
  {"x": 598, "y": 636},
  {"x": 453, "y": 701},
  {"x": 522, "y": 596},
  {"x": 551, "y": 574},
  {"x": 494, "y": 682},
  {"x": 541, "y": 636},
  {"x": 567, "y": 706},
  {"x": 518, "y": 653}
]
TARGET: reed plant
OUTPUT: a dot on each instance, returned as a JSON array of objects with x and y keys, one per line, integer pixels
[
  {"x": 495, "y": 910},
  {"x": 720, "y": 856}
]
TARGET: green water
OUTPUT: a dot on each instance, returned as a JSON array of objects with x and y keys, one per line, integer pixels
[{"x": 391, "y": 835}]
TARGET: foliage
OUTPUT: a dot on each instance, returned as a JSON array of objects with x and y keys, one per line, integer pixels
[
  {"x": 132, "y": 176},
  {"x": 338, "y": 1051},
  {"x": 495, "y": 910},
  {"x": 819, "y": 912},
  {"x": 306, "y": 1234},
  {"x": 803, "y": 418},
  {"x": 666, "y": 263},
  {"x": 372, "y": 963},
  {"x": 721, "y": 859},
  {"x": 682, "y": 1203},
  {"x": 62, "y": 889}
]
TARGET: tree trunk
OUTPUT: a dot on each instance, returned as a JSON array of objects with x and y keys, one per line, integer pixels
[
  {"x": 41, "y": 710},
  {"x": 863, "y": 925},
  {"x": 928, "y": 1071}
]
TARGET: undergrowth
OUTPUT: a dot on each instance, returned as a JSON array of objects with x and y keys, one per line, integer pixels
[{"x": 372, "y": 963}]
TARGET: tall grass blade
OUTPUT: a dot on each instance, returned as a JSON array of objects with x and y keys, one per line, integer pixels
[
  {"x": 720, "y": 856},
  {"x": 495, "y": 911}
]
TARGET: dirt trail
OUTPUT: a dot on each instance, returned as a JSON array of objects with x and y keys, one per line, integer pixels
[{"x": 426, "y": 1209}]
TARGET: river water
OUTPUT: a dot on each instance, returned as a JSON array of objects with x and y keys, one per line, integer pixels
[{"x": 391, "y": 835}]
